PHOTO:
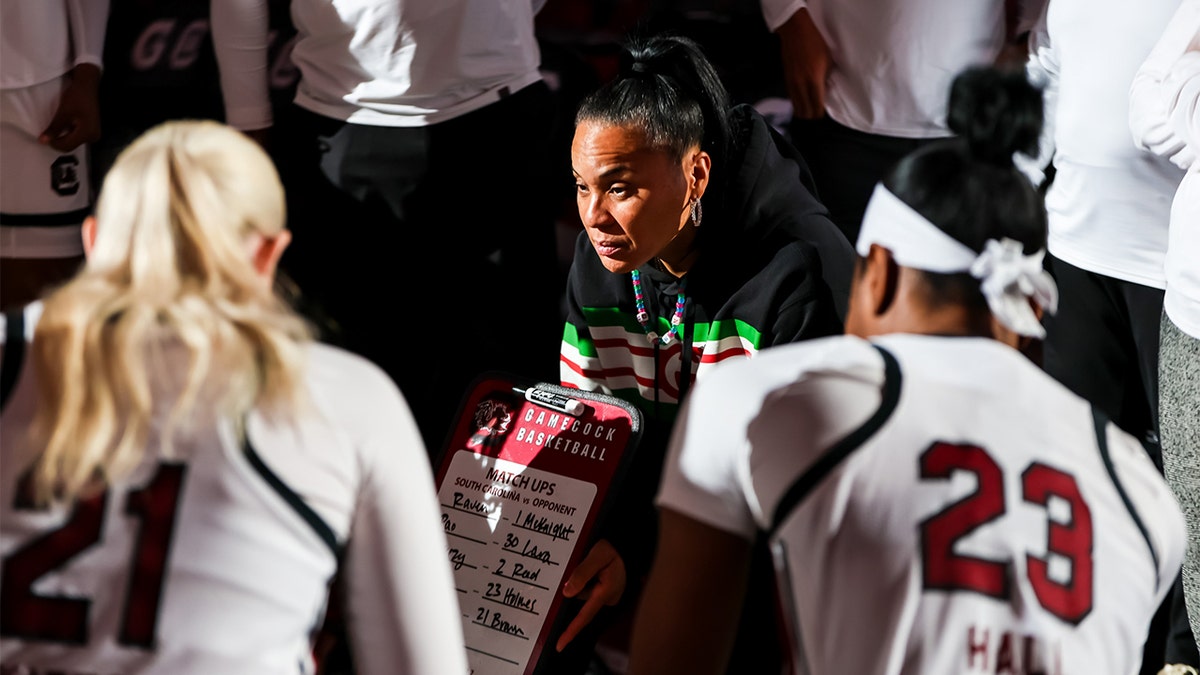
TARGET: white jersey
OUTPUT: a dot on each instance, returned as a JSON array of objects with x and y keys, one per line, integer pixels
[
  {"x": 389, "y": 63},
  {"x": 1109, "y": 205},
  {"x": 941, "y": 506},
  {"x": 44, "y": 193},
  {"x": 1164, "y": 119},
  {"x": 926, "y": 42},
  {"x": 220, "y": 561},
  {"x": 41, "y": 40}
]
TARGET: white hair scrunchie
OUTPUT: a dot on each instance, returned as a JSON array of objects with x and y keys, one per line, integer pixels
[{"x": 1008, "y": 278}]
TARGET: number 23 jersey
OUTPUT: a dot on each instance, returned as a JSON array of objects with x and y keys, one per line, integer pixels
[{"x": 934, "y": 505}]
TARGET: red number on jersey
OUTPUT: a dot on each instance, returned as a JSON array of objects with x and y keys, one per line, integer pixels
[
  {"x": 944, "y": 569},
  {"x": 26, "y": 615},
  {"x": 1071, "y": 601}
]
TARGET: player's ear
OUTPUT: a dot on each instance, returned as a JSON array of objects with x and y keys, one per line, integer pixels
[
  {"x": 872, "y": 292},
  {"x": 268, "y": 252},
  {"x": 881, "y": 276},
  {"x": 89, "y": 235}
]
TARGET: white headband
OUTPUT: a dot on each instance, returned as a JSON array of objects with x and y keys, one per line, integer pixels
[{"x": 1008, "y": 278}]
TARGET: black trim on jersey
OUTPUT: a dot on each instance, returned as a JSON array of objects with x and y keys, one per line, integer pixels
[
  {"x": 1101, "y": 422},
  {"x": 63, "y": 219},
  {"x": 294, "y": 500},
  {"x": 842, "y": 449},
  {"x": 14, "y": 354}
]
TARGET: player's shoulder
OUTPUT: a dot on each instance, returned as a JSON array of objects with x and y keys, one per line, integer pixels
[
  {"x": 1149, "y": 499},
  {"x": 1139, "y": 478},
  {"x": 808, "y": 362},
  {"x": 977, "y": 364},
  {"x": 347, "y": 380},
  {"x": 843, "y": 354},
  {"x": 358, "y": 399}
]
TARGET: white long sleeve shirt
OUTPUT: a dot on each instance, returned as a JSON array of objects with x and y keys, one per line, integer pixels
[
  {"x": 217, "y": 557},
  {"x": 1164, "y": 115},
  {"x": 400, "y": 63},
  {"x": 1109, "y": 204},
  {"x": 41, "y": 40},
  {"x": 893, "y": 60}
]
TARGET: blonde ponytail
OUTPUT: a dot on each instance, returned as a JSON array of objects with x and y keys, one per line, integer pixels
[{"x": 169, "y": 283}]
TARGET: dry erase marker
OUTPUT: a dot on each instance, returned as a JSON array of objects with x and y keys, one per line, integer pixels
[{"x": 570, "y": 406}]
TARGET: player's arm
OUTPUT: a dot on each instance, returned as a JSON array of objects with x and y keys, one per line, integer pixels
[
  {"x": 687, "y": 614},
  {"x": 76, "y": 121},
  {"x": 1042, "y": 69},
  {"x": 1183, "y": 87},
  {"x": 401, "y": 607},
  {"x": 89, "y": 23},
  {"x": 803, "y": 53},
  {"x": 1162, "y": 515},
  {"x": 687, "y": 617},
  {"x": 1164, "y": 99},
  {"x": 241, "y": 38},
  {"x": 1020, "y": 16}
]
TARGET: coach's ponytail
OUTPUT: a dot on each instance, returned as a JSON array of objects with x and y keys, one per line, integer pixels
[{"x": 666, "y": 87}]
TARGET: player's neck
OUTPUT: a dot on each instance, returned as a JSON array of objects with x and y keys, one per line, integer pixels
[{"x": 947, "y": 320}]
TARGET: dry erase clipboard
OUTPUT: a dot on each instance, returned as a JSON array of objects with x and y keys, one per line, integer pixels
[{"x": 523, "y": 479}]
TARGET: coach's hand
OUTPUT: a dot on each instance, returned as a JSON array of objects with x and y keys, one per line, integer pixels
[
  {"x": 77, "y": 119},
  {"x": 599, "y": 580}
]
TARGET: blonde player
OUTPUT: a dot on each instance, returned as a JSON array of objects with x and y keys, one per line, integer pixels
[
  {"x": 935, "y": 503},
  {"x": 185, "y": 470}
]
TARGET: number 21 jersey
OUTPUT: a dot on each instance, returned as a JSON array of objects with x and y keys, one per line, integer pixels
[{"x": 218, "y": 558}]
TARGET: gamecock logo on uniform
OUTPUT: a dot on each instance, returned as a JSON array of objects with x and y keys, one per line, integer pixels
[{"x": 64, "y": 175}]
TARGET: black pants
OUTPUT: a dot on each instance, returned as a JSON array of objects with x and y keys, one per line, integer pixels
[
  {"x": 431, "y": 250},
  {"x": 1103, "y": 345},
  {"x": 846, "y": 164},
  {"x": 1180, "y": 642}
]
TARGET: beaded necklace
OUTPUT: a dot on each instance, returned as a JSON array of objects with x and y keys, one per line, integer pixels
[{"x": 643, "y": 317}]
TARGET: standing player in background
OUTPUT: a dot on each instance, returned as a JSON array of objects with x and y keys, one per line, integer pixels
[
  {"x": 50, "y": 56},
  {"x": 936, "y": 504},
  {"x": 159, "y": 65},
  {"x": 419, "y": 173},
  {"x": 868, "y": 80},
  {"x": 185, "y": 469},
  {"x": 1108, "y": 213},
  {"x": 1164, "y": 114}
]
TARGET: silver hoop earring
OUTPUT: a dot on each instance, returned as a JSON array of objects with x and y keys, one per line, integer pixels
[{"x": 697, "y": 212}]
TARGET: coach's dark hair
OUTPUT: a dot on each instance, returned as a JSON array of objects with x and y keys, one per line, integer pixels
[
  {"x": 668, "y": 88},
  {"x": 968, "y": 185}
]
